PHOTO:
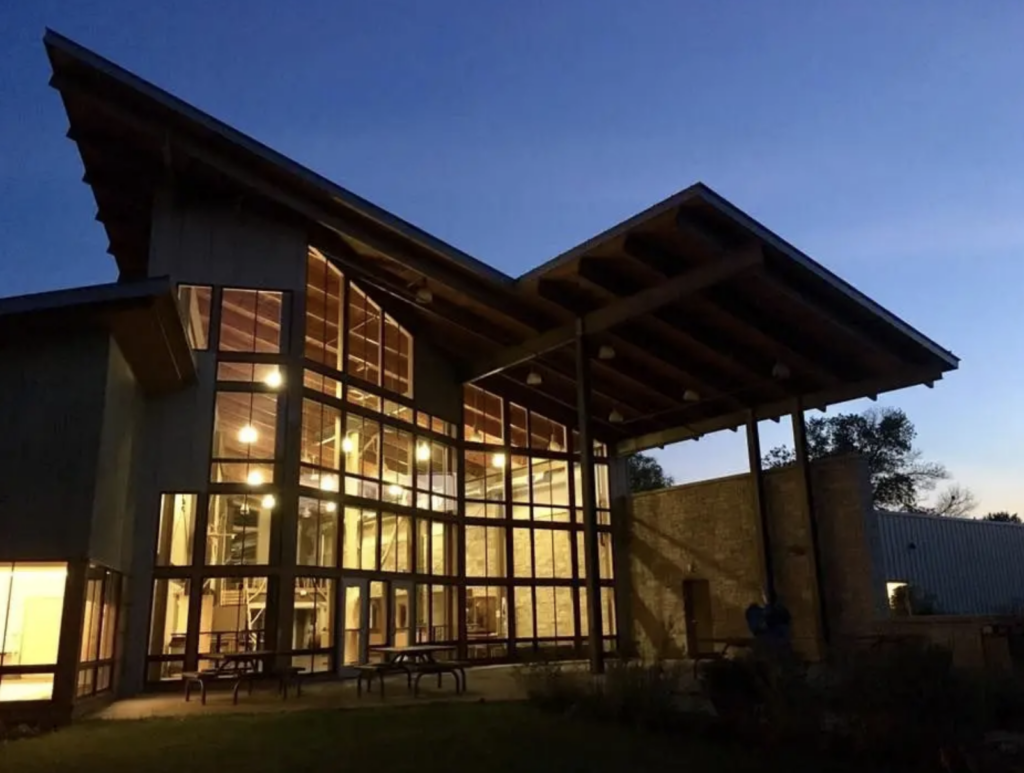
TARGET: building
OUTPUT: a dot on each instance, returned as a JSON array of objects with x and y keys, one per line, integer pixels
[
  {"x": 953, "y": 566},
  {"x": 298, "y": 423}
]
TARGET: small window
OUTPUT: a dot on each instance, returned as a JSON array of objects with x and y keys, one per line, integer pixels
[
  {"x": 177, "y": 526},
  {"x": 194, "y": 301}
]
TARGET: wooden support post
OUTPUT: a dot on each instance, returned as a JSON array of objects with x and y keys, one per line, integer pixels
[
  {"x": 760, "y": 505},
  {"x": 586, "y": 452},
  {"x": 803, "y": 462}
]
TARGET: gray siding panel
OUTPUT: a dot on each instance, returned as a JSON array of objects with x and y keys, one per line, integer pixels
[{"x": 970, "y": 566}]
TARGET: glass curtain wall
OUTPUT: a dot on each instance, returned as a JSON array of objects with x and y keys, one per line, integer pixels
[{"x": 402, "y": 526}]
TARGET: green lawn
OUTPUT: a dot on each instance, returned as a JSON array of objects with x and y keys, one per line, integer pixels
[{"x": 485, "y": 738}]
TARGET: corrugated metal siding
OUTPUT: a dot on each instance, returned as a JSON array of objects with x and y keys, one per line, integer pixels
[{"x": 971, "y": 567}]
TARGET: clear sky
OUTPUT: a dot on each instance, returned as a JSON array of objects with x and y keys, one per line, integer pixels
[{"x": 885, "y": 139}]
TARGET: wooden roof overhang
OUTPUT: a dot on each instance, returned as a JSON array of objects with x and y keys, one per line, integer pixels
[
  {"x": 709, "y": 315},
  {"x": 142, "y": 316}
]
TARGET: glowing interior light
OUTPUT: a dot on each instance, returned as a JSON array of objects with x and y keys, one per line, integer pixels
[
  {"x": 423, "y": 452},
  {"x": 329, "y": 483},
  {"x": 330, "y": 507},
  {"x": 268, "y": 502},
  {"x": 254, "y": 478},
  {"x": 395, "y": 490},
  {"x": 248, "y": 434},
  {"x": 498, "y": 460},
  {"x": 348, "y": 444},
  {"x": 274, "y": 379}
]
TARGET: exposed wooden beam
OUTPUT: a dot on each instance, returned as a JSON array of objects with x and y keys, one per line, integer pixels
[{"x": 606, "y": 317}]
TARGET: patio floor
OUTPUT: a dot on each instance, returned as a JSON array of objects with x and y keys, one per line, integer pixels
[{"x": 484, "y": 683}]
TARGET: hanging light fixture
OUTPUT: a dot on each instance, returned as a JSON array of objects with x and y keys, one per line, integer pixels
[
  {"x": 273, "y": 379},
  {"x": 268, "y": 502},
  {"x": 691, "y": 396},
  {"x": 533, "y": 378},
  {"x": 329, "y": 483},
  {"x": 498, "y": 460},
  {"x": 423, "y": 452},
  {"x": 423, "y": 295},
  {"x": 615, "y": 417},
  {"x": 554, "y": 445},
  {"x": 254, "y": 478},
  {"x": 347, "y": 444},
  {"x": 606, "y": 353},
  {"x": 330, "y": 507},
  {"x": 248, "y": 434}
]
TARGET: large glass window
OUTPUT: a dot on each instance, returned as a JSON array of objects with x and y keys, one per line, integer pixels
[
  {"x": 31, "y": 610},
  {"x": 485, "y": 551},
  {"x": 483, "y": 415},
  {"x": 318, "y": 532},
  {"x": 395, "y": 543},
  {"x": 436, "y": 476},
  {"x": 99, "y": 630},
  {"x": 397, "y": 469},
  {"x": 324, "y": 283},
  {"x": 177, "y": 528},
  {"x": 321, "y": 446},
  {"x": 250, "y": 321},
  {"x": 168, "y": 628},
  {"x": 238, "y": 529},
  {"x": 437, "y": 548},
  {"x": 397, "y": 358},
  {"x": 233, "y": 615},
  {"x": 361, "y": 446},
  {"x": 313, "y": 624},
  {"x": 194, "y": 302},
  {"x": 244, "y": 437},
  {"x": 359, "y": 546},
  {"x": 364, "y": 336}
]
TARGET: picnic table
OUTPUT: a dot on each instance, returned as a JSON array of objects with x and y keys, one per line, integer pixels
[
  {"x": 241, "y": 667},
  {"x": 725, "y": 644},
  {"x": 415, "y": 661}
]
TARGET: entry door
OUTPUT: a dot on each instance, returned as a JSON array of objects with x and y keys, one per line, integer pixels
[
  {"x": 697, "y": 609},
  {"x": 355, "y": 622}
]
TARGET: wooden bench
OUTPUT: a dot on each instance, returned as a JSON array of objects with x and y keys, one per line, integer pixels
[
  {"x": 368, "y": 671},
  {"x": 441, "y": 667}
]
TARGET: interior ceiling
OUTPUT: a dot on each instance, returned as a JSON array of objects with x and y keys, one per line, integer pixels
[{"x": 757, "y": 339}]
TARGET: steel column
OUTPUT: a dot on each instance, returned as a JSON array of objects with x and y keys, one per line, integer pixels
[
  {"x": 760, "y": 505},
  {"x": 803, "y": 462}
]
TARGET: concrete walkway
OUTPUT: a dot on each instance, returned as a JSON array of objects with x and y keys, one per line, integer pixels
[{"x": 485, "y": 683}]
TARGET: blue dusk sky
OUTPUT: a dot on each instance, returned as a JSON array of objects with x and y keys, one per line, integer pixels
[{"x": 885, "y": 139}]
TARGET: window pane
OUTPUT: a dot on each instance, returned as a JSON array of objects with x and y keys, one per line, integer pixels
[
  {"x": 397, "y": 358},
  {"x": 395, "y": 543},
  {"x": 545, "y": 620},
  {"x": 27, "y": 687},
  {"x": 194, "y": 301},
  {"x": 482, "y": 413},
  {"x": 525, "y": 628},
  {"x": 169, "y": 623},
  {"x": 363, "y": 399},
  {"x": 250, "y": 321},
  {"x": 546, "y": 435},
  {"x": 442, "y": 613},
  {"x": 91, "y": 621},
  {"x": 486, "y": 612},
  {"x": 238, "y": 530},
  {"x": 177, "y": 526},
  {"x": 318, "y": 532},
  {"x": 321, "y": 435},
  {"x": 323, "y": 311},
  {"x": 565, "y": 619},
  {"x": 517, "y": 426},
  {"x": 552, "y": 553},
  {"x": 364, "y": 334},
  {"x": 601, "y": 484},
  {"x": 31, "y": 610},
  {"x": 111, "y": 607},
  {"x": 397, "y": 470},
  {"x": 604, "y": 556},
  {"x": 233, "y": 615},
  {"x": 244, "y": 426},
  {"x": 319, "y": 383},
  {"x": 361, "y": 446},
  {"x": 520, "y": 479},
  {"x": 359, "y": 549},
  {"x": 268, "y": 374},
  {"x": 522, "y": 552},
  {"x": 352, "y": 642},
  {"x": 485, "y": 475},
  {"x": 485, "y": 551},
  {"x": 313, "y": 621}
]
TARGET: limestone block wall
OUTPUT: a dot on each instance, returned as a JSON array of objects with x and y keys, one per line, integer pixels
[{"x": 710, "y": 531}]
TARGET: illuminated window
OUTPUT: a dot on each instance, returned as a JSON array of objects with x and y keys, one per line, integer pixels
[
  {"x": 168, "y": 626},
  {"x": 194, "y": 302},
  {"x": 395, "y": 543},
  {"x": 397, "y": 468},
  {"x": 233, "y": 616},
  {"x": 483, "y": 416},
  {"x": 486, "y": 612},
  {"x": 435, "y": 613},
  {"x": 361, "y": 446},
  {"x": 359, "y": 542},
  {"x": 397, "y": 358},
  {"x": 364, "y": 336},
  {"x": 269, "y": 375},
  {"x": 31, "y": 610},
  {"x": 321, "y": 446},
  {"x": 99, "y": 629},
  {"x": 313, "y": 624},
  {"x": 177, "y": 528},
  {"x": 250, "y": 321},
  {"x": 244, "y": 437},
  {"x": 324, "y": 283},
  {"x": 436, "y": 476},
  {"x": 238, "y": 529},
  {"x": 608, "y": 622},
  {"x": 317, "y": 532},
  {"x": 485, "y": 551},
  {"x": 320, "y": 383},
  {"x": 437, "y": 551}
]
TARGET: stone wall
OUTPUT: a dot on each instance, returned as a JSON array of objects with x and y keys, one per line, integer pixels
[{"x": 710, "y": 531}]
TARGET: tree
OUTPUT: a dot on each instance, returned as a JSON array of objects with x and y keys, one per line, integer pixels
[
  {"x": 1002, "y": 517},
  {"x": 885, "y": 438},
  {"x": 956, "y": 501},
  {"x": 645, "y": 474}
]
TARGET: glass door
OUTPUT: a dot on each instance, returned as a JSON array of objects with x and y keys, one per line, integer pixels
[{"x": 402, "y": 618}]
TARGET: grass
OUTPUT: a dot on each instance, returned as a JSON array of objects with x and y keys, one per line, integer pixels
[{"x": 494, "y": 737}]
